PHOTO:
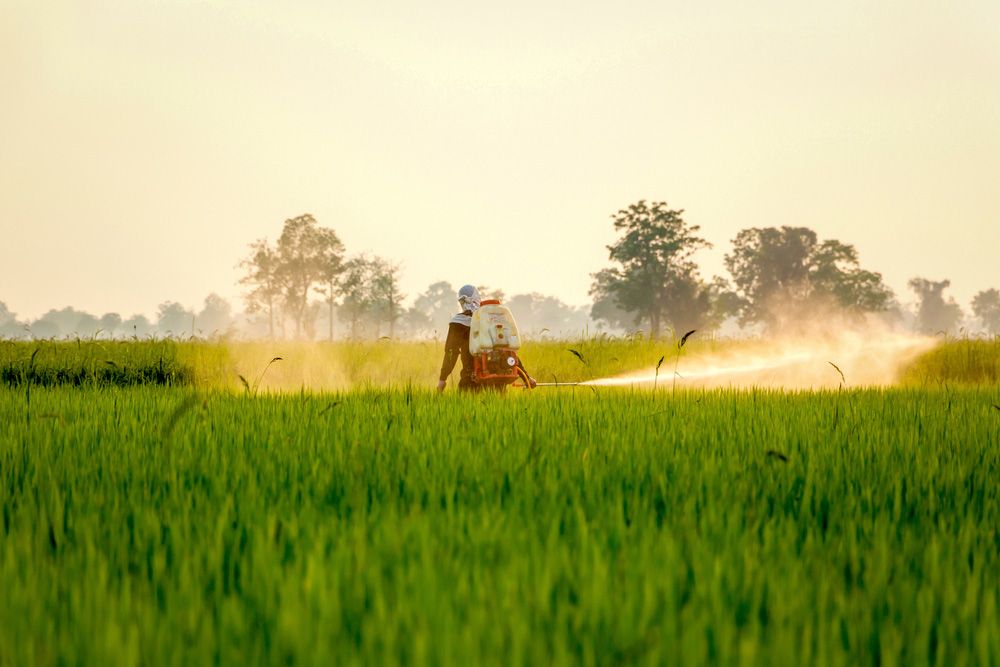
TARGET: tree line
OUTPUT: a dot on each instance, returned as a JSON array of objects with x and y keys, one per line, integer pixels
[
  {"x": 778, "y": 277},
  {"x": 214, "y": 319},
  {"x": 426, "y": 318},
  {"x": 308, "y": 260},
  {"x": 361, "y": 291},
  {"x": 304, "y": 285}
]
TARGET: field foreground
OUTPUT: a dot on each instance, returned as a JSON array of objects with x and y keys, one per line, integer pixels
[{"x": 169, "y": 525}]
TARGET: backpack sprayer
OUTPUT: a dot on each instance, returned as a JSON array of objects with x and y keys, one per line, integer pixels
[{"x": 493, "y": 342}]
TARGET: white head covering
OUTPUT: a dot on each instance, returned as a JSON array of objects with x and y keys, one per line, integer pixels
[{"x": 469, "y": 300}]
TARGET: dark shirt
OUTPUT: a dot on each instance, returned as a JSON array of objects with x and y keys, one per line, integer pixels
[{"x": 455, "y": 346}]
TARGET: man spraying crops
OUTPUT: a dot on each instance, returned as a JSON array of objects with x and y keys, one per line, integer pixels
[{"x": 485, "y": 336}]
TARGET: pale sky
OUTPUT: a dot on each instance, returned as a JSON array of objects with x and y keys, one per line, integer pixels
[{"x": 145, "y": 144}]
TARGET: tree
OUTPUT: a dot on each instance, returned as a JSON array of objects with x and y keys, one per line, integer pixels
[
  {"x": 986, "y": 306},
  {"x": 262, "y": 278},
  {"x": 216, "y": 316},
  {"x": 777, "y": 269},
  {"x": 386, "y": 295},
  {"x": 109, "y": 323},
  {"x": 137, "y": 326},
  {"x": 934, "y": 314},
  {"x": 173, "y": 319},
  {"x": 9, "y": 326},
  {"x": 301, "y": 258},
  {"x": 435, "y": 305},
  {"x": 313, "y": 309},
  {"x": 768, "y": 265},
  {"x": 834, "y": 271},
  {"x": 537, "y": 313},
  {"x": 65, "y": 322},
  {"x": 43, "y": 328},
  {"x": 357, "y": 287},
  {"x": 724, "y": 303},
  {"x": 605, "y": 309},
  {"x": 487, "y": 292},
  {"x": 653, "y": 276},
  {"x": 306, "y": 258},
  {"x": 414, "y": 323},
  {"x": 330, "y": 269}
]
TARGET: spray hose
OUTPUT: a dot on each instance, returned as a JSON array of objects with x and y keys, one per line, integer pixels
[
  {"x": 524, "y": 377},
  {"x": 528, "y": 385}
]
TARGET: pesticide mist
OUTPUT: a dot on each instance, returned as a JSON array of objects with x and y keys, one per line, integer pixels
[
  {"x": 830, "y": 360},
  {"x": 848, "y": 358}
]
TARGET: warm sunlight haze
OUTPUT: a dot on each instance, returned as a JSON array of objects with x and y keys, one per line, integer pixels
[{"x": 147, "y": 143}]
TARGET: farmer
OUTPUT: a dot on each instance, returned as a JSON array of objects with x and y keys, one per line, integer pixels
[{"x": 457, "y": 345}]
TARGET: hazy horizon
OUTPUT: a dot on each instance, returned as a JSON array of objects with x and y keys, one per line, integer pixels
[{"x": 147, "y": 143}]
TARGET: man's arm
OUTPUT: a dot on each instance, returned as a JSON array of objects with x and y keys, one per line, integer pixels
[{"x": 452, "y": 351}]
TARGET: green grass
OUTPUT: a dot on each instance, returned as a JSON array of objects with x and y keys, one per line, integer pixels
[
  {"x": 312, "y": 365},
  {"x": 158, "y": 525},
  {"x": 97, "y": 363},
  {"x": 344, "y": 365},
  {"x": 967, "y": 361}
]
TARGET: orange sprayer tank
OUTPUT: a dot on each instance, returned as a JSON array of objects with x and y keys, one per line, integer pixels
[{"x": 493, "y": 343}]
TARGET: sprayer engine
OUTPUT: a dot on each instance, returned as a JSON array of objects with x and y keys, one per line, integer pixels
[{"x": 493, "y": 343}]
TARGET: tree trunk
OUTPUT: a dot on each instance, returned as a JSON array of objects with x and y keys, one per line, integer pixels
[
  {"x": 298, "y": 321},
  {"x": 331, "y": 320},
  {"x": 270, "y": 320},
  {"x": 392, "y": 319},
  {"x": 654, "y": 324},
  {"x": 329, "y": 293}
]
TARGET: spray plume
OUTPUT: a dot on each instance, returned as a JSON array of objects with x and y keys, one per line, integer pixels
[{"x": 861, "y": 358}]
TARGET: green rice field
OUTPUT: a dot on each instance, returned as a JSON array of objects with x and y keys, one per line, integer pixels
[{"x": 158, "y": 510}]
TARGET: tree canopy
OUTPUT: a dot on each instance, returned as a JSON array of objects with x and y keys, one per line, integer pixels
[
  {"x": 281, "y": 277},
  {"x": 986, "y": 306},
  {"x": 934, "y": 314},
  {"x": 777, "y": 269},
  {"x": 652, "y": 276}
]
